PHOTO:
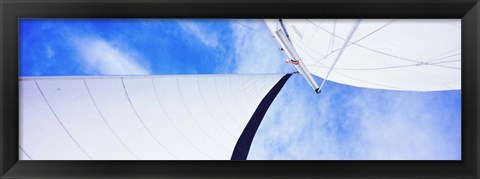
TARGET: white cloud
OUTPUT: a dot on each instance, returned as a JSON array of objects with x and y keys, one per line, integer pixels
[
  {"x": 50, "y": 57},
  {"x": 50, "y": 52},
  {"x": 289, "y": 130},
  {"x": 369, "y": 125},
  {"x": 345, "y": 123},
  {"x": 408, "y": 128},
  {"x": 207, "y": 37},
  {"x": 255, "y": 49},
  {"x": 104, "y": 58}
]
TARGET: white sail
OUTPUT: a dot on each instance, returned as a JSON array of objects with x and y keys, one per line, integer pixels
[
  {"x": 408, "y": 54},
  {"x": 137, "y": 117}
]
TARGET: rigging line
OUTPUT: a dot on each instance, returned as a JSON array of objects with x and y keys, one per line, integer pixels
[
  {"x": 61, "y": 123},
  {"x": 368, "y": 82},
  {"x": 433, "y": 59},
  {"x": 25, "y": 152},
  {"x": 358, "y": 40},
  {"x": 312, "y": 36},
  {"x": 450, "y": 61},
  {"x": 298, "y": 42},
  {"x": 356, "y": 44},
  {"x": 363, "y": 81},
  {"x": 390, "y": 43},
  {"x": 194, "y": 120},
  {"x": 106, "y": 122},
  {"x": 284, "y": 29},
  {"x": 436, "y": 64},
  {"x": 247, "y": 26},
  {"x": 340, "y": 53},
  {"x": 375, "y": 31},
  {"x": 253, "y": 29},
  {"x": 390, "y": 67},
  {"x": 141, "y": 121},
  {"x": 173, "y": 124},
  {"x": 443, "y": 66},
  {"x": 223, "y": 105},
  {"x": 209, "y": 110},
  {"x": 333, "y": 36},
  {"x": 416, "y": 64},
  {"x": 305, "y": 51},
  {"x": 364, "y": 69}
]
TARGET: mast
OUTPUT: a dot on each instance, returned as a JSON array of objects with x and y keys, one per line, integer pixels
[{"x": 292, "y": 54}]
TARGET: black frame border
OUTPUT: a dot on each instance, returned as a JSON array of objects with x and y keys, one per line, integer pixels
[{"x": 12, "y": 10}]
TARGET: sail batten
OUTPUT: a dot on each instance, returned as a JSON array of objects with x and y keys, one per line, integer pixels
[{"x": 185, "y": 117}]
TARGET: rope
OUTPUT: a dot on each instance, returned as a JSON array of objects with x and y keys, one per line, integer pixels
[
  {"x": 355, "y": 43},
  {"x": 340, "y": 53}
]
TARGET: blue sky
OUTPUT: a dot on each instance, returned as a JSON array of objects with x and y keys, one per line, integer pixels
[{"x": 343, "y": 122}]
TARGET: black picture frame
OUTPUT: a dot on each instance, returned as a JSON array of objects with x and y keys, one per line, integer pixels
[{"x": 12, "y": 10}]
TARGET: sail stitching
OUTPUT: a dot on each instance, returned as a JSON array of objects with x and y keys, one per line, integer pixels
[
  {"x": 142, "y": 122},
  {"x": 223, "y": 105},
  {"x": 173, "y": 124},
  {"x": 209, "y": 110},
  {"x": 194, "y": 119}
]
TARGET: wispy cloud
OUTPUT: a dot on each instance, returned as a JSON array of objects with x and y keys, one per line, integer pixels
[
  {"x": 50, "y": 52},
  {"x": 292, "y": 128},
  {"x": 103, "y": 58},
  {"x": 359, "y": 124},
  {"x": 406, "y": 125},
  {"x": 205, "y": 36},
  {"x": 255, "y": 50}
]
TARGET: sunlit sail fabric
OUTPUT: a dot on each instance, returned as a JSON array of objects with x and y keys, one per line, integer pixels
[
  {"x": 184, "y": 117},
  {"x": 407, "y": 55}
]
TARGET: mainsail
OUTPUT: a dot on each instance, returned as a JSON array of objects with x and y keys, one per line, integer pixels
[
  {"x": 403, "y": 54},
  {"x": 184, "y": 117}
]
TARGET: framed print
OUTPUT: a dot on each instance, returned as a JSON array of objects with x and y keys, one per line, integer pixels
[{"x": 239, "y": 89}]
